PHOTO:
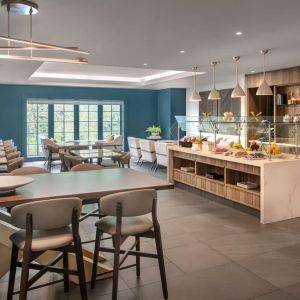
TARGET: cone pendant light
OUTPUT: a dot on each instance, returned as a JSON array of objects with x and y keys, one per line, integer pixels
[
  {"x": 195, "y": 96},
  {"x": 264, "y": 89},
  {"x": 214, "y": 93},
  {"x": 238, "y": 91}
]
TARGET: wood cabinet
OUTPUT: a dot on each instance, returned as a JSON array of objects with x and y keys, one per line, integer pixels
[{"x": 227, "y": 173}]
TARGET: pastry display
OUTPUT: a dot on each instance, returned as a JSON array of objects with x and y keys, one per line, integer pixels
[
  {"x": 219, "y": 150},
  {"x": 256, "y": 155},
  {"x": 275, "y": 150},
  {"x": 240, "y": 153},
  {"x": 228, "y": 116}
]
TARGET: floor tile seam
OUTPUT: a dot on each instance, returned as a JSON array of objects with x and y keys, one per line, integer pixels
[
  {"x": 258, "y": 276},
  {"x": 265, "y": 294}
]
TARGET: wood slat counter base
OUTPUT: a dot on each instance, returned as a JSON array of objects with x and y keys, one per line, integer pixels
[{"x": 276, "y": 196}]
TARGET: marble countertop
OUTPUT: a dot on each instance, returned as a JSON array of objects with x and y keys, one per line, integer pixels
[{"x": 242, "y": 160}]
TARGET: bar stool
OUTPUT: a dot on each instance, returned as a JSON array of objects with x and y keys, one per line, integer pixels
[
  {"x": 126, "y": 216},
  {"x": 45, "y": 227}
]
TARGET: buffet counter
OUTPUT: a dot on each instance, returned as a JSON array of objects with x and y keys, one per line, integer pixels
[{"x": 277, "y": 181}]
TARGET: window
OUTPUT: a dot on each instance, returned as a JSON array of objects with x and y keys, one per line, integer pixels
[
  {"x": 111, "y": 120},
  {"x": 37, "y": 127},
  {"x": 69, "y": 120},
  {"x": 63, "y": 122},
  {"x": 88, "y": 122}
]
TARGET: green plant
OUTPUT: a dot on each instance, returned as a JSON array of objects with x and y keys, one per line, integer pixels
[{"x": 154, "y": 129}]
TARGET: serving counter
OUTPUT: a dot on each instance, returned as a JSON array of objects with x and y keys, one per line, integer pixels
[{"x": 277, "y": 196}]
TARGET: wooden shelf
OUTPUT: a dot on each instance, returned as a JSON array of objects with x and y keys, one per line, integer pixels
[
  {"x": 213, "y": 186},
  {"x": 250, "y": 191}
]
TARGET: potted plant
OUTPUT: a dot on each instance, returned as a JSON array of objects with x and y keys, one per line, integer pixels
[{"x": 154, "y": 130}]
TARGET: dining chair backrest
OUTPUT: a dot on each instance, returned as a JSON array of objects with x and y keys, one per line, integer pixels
[
  {"x": 15, "y": 163},
  {"x": 161, "y": 149},
  {"x": 28, "y": 171},
  {"x": 86, "y": 167},
  {"x": 46, "y": 214},
  {"x": 134, "y": 203},
  {"x": 134, "y": 147},
  {"x": 48, "y": 142},
  {"x": 71, "y": 161},
  {"x": 148, "y": 150},
  {"x": 12, "y": 155}
]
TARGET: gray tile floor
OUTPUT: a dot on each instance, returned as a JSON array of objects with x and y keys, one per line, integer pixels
[{"x": 212, "y": 252}]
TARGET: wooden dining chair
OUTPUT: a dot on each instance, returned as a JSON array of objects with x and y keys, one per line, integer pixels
[
  {"x": 28, "y": 171},
  {"x": 72, "y": 160},
  {"x": 86, "y": 167},
  {"x": 126, "y": 215},
  {"x": 44, "y": 227},
  {"x": 15, "y": 163},
  {"x": 123, "y": 160},
  {"x": 13, "y": 155}
]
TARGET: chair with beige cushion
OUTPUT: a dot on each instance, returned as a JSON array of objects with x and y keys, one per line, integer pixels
[
  {"x": 72, "y": 160},
  {"x": 50, "y": 150},
  {"x": 123, "y": 160},
  {"x": 134, "y": 148},
  {"x": 13, "y": 155},
  {"x": 86, "y": 167},
  {"x": 28, "y": 171},
  {"x": 44, "y": 227},
  {"x": 127, "y": 214},
  {"x": 15, "y": 163},
  {"x": 10, "y": 149},
  {"x": 115, "y": 144},
  {"x": 148, "y": 152},
  {"x": 161, "y": 149}
]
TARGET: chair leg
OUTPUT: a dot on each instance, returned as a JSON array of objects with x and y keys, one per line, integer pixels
[
  {"x": 161, "y": 262},
  {"x": 12, "y": 272},
  {"x": 80, "y": 268},
  {"x": 66, "y": 272},
  {"x": 25, "y": 274},
  {"x": 117, "y": 245},
  {"x": 138, "y": 258},
  {"x": 153, "y": 165},
  {"x": 96, "y": 256},
  {"x": 156, "y": 168},
  {"x": 142, "y": 161}
]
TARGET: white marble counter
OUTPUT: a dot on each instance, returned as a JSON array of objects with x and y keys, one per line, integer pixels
[{"x": 279, "y": 184}]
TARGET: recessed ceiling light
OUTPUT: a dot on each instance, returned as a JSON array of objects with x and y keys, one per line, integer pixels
[
  {"x": 145, "y": 65},
  {"x": 252, "y": 71},
  {"x": 182, "y": 51},
  {"x": 238, "y": 33}
]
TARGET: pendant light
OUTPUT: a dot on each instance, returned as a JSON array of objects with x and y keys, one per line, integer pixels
[
  {"x": 237, "y": 91},
  {"x": 214, "y": 93},
  {"x": 195, "y": 96},
  {"x": 264, "y": 89},
  {"x": 26, "y": 7}
]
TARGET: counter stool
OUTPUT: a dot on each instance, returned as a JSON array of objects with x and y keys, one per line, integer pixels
[
  {"x": 45, "y": 227},
  {"x": 126, "y": 216}
]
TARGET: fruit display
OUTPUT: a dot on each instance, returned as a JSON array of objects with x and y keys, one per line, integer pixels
[
  {"x": 275, "y": 149},
  {"x": 237, "y": 146},
  {"x": 219, "y": 150},
  {"x": 240, "y": 153},
  {"x": 254, "y": 146},
  {"x": 256, "y": 155}
]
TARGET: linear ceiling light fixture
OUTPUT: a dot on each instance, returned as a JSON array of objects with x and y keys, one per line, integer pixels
[
  {"x": 214, "y": 93},
  {"x": 237, "y": 91},
  {"x": 195, "y": 96},
  {"x": 24, "y": 7},
  {"x": 264, "y": 89}
]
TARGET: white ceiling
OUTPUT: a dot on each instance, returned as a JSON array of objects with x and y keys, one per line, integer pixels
[{"x": 129, "y": 33}]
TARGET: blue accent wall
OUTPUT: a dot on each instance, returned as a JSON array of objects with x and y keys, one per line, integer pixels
[
  {"x": 171, "y": 103},
  {"x": 142, "y": 108}
]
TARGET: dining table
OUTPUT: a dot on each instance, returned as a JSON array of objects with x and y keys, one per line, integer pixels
[
  {"x": 99, "y": 154},
  {"x": 88, "y": 186}
]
